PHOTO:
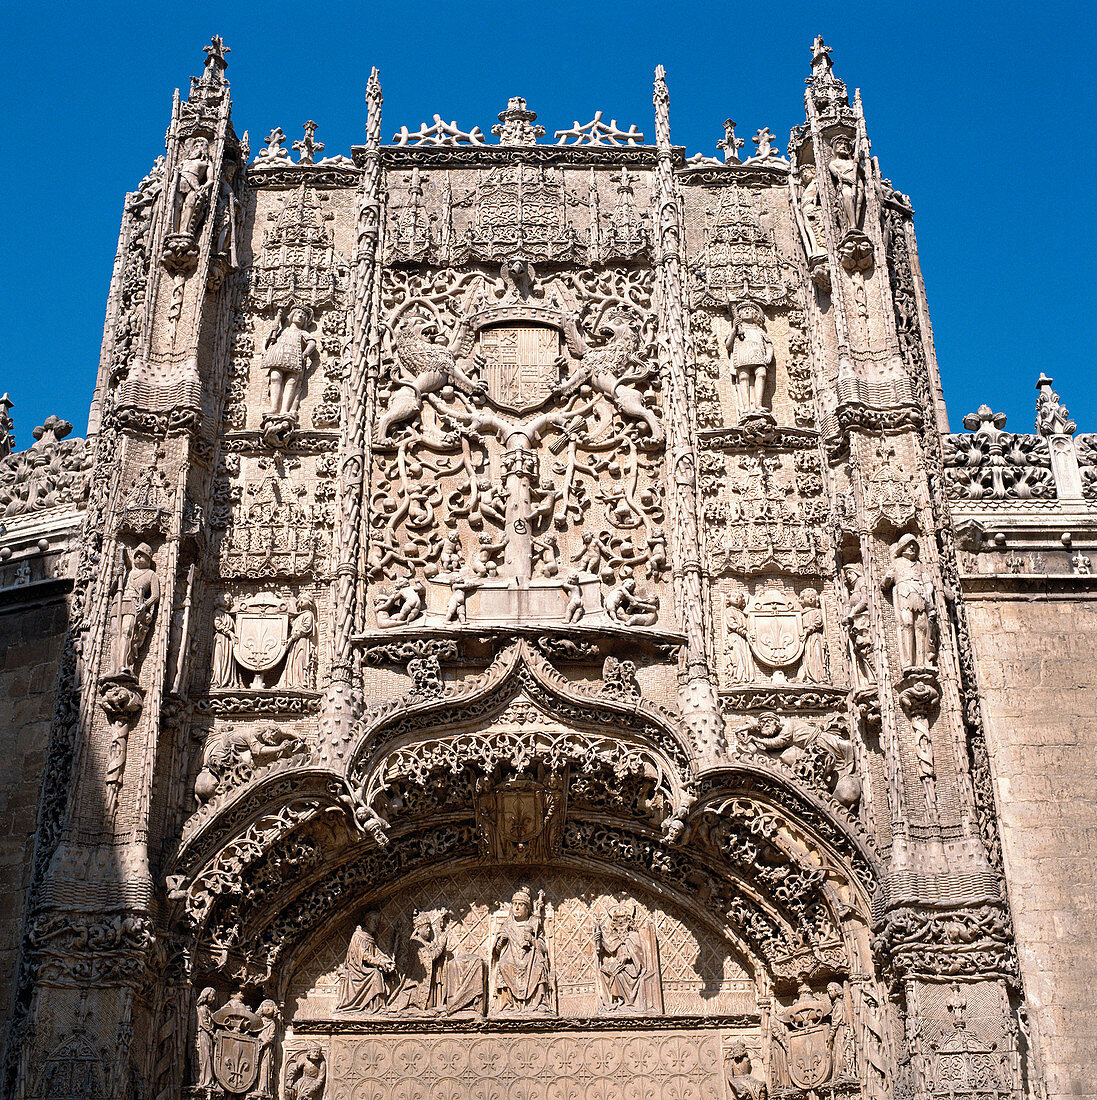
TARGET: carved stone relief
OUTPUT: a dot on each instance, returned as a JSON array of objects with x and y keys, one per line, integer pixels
[
  {"x": 513, "y": 482},
  {"x": 585, "y": 954}
]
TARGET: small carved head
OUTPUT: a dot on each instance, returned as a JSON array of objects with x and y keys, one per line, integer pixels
[
  {"x": 851, "y": 574},
  {"x": 907, "y": 547},
  {"x": 315, "y": 1053},
  {"x": 371, "y": 921},
  {"x": 142, "y": 555},
  {"x": 207, "y": 996},
  {"x": 809, "y": 597},
  {"x": 521, "y": 904},
  {"x": 620, "y": 917},
  {"x": 807, "y": 173}
]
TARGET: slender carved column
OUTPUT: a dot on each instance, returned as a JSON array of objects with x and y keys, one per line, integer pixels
[
  {"x": 341, "y": 702},
  {"x": 696, "y": 696}
]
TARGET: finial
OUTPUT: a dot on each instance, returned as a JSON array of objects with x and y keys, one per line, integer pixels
[
  {"x": 1052, "y": 416},
  {"x": 306, "y": 146},
  {"x": 731, "y": 144},
  {"x": 215, "y": 60},
  {"x": 515, "y": 124},
  {"x": 821, "y": 64}
]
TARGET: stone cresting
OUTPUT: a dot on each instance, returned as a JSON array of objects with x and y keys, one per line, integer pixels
[{"x": 511, "y": 627}]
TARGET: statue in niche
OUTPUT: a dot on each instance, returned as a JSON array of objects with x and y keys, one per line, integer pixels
[
  {"x": 813, "y": 667},
  {"x": 751, "y": 352},
  {"x": 306, "y": 1074},
  {"x": 612, "y": 370},
  {"x": 301, "y": 646},
  {"x": 270, "y": 1021},
  {"x": 742, "y": 1084},
  {"x": 425, "y": 363},
  {"x": 364, "y": 984},
  {"x": 228, "y": 218},
  {"x": 137, "y": 598},
  {"x": 794, "y": 742},
  {"x": 624, "y": 606},
  {"x": 912, "y": 601},
  {"x": 627, "y": 962},
  {"x": 523, "y": 981},
  {"x": 432, "y": 979},
  {"x": 193, "y": 182},
  {"x": 855, "y": 617},
  {"x": 203, "y": 1038},
  {"x": 223, "y": 670},
  {"x": 844, "y": 1050},
  {"x": 810, "y": 211},
  {"x": 289, "y": 347},
  {"x": 740, "y": 662},
  {"x": 846, "y": 171}
]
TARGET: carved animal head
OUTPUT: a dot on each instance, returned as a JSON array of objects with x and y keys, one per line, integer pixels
[{"x": 617, "y": 328}]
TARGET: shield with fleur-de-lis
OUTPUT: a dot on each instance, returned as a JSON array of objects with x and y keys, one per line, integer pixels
[
  {"x": 235, "y": 1060},
  {"x": 776, "y": 628},
  {"x": 809, "y": 1056},
  {"x": 262, "y": 630}
]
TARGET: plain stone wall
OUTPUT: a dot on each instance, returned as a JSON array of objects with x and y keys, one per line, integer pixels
[
  {"x": 1038, "y": 676},
  {"x": 30, "y": 644}
]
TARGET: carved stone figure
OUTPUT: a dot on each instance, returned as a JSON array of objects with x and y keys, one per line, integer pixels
[
  {"x": 855, "y": 617},
  {"x": 399, "y": 606},
  {"x": 193, "y": 182},
  {"x": 424, "y": 366},
  {"x": 223, "y": 670},
  {"x": 793, "y": 740},
  {"x": 366, "y": 971},
  {"x": 271, "y": 1021},
  {"x": 575, "y": 610},
  {"x": 203, "y": 1038},
  {"x": 841, "y": 1029},
  {"x": 628, "y": 964},
  {"x": 301, "y": 646},
  {"x": 742, "y": 1084},
  {"x": 138, "y": 596},
  {"x": 740, "y": 662},
  {"x": 624, "y": 606},
  {"x": 912, "y": 600},
  {"x": 231, "y": 750},
  {"x": 306, "y": 1074},
  {"x": 846, "y": 171},
  {"x": 751, "y": 352},
  {"x": 286, "y": 354},
  {"x": 522, "y": 978},
  {"x": 612, "y": 369},
  {"x": 418, "y": 964},
  {"x": 810, "y": 211},
  {"x": 813, "y": 667}
]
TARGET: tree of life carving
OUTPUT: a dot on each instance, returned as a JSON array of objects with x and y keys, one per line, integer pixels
[{"x": 518, "y": 451}]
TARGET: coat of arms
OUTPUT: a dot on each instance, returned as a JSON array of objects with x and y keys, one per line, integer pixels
[
  {"x": 776, "y": 627},
  {"x": 809, "y": 1056},
  {"x": 262, "y": 631},
  {"x": 236, "y": 1046}
]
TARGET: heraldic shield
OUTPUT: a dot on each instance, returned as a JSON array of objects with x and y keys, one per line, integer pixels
[
  {"x": 262, "y": 630},
  {"x": 235, "y": 1060},
  {"x": 236, "y": 1047},
  {"x": 776, "y": 628},
  {"x": 809, "y": 1056}
]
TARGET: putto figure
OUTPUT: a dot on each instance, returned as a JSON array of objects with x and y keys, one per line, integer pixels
[
  {"x": 522, "y": 979},
  {"x": 912, "y": 600}
]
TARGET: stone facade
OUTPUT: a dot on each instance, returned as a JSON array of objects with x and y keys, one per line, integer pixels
[{"x": 520, "y": 626}]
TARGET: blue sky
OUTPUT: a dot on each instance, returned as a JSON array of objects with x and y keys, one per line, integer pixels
[{"x": 981, "y": 112}]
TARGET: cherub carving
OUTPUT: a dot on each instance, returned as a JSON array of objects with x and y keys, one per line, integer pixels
[{"x": 612, "y": 369}]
